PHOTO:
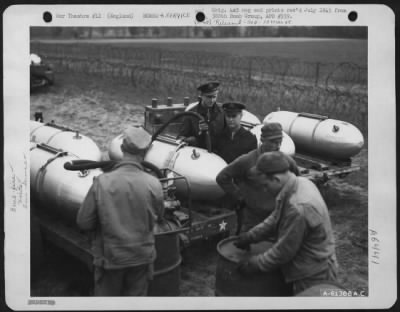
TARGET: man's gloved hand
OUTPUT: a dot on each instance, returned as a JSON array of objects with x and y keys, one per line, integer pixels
[
  {"x": 243, "y": 242},
  {"x": 203, "y": 126},
  {"x": 248, "y": 266}
]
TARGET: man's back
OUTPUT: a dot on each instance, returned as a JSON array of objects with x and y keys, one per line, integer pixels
[
  {"x": 307, "y": 198},
  {"x": 128, "y": 202}
]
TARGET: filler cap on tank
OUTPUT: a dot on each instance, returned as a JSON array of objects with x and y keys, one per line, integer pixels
[
  {"x": 335, "y": 128},
  {"x": 195, "y": 154},
  {"x": 77, "y": 136}
]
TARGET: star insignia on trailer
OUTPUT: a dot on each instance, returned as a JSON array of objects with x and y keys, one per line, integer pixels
[{"x": 222, "y": 226}]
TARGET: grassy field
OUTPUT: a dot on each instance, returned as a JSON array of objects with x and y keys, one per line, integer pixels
[
  {"x": 336, "y": 51},
  {"x": 101, "y": 109},
  {"x": 308, "y": 50},
  {"x": 326, "y": 77}
]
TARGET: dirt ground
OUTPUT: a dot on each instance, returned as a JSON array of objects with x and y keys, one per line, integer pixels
[{"x": 101, "y": 109}]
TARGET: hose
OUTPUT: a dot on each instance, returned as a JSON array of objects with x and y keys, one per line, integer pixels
[
  {"x": 194, "y": 114},
  {"x": 153, "y": 168},
  {"x": 106, "y": 165},
  {"x": 83, "y": 164}
]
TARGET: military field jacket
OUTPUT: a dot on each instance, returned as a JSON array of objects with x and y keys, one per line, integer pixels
[
  {"x": 122, "y": 207},
  {"x": 213, "y": 116},
  {"x": 240, "y": 180},
  {"x": 230, "y": 148},
  {"x": 305, "y": 243}
]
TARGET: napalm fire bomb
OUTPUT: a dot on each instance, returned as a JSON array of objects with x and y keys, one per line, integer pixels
[{"x": 129, "y": 214}]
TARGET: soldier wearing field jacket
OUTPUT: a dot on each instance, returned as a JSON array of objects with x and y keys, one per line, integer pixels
[
  {"x": 122, "y": 207},
  {"x": 239, "y": 179},
  {"x": 193, "y": 131},
  {"x": 305, "y": 247}
]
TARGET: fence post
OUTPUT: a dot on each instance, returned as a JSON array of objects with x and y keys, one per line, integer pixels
[{"x": 317, "y": 73}]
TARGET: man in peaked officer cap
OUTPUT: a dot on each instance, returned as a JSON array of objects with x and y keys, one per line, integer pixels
[
  {"x": 304, "y": 249},
  {"x": 209, "y": 88},
  {"x": 233, "y": 107},
  {"x": 122, "y": 207},
  {"x": 194, "y": 131},
  {"x": 234, "y": 141},
  {"x": 240, "y": 179}
]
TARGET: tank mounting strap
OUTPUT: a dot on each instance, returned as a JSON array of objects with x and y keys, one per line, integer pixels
[
  {"x": 60, "y": 154},
  {"x": 172, "y": 156},
  {"x": 41, "y": 173},
  {"x": 53, "y": 125},
  {"x": 247, "y": 124},
  {"x": 49, "y": 148},
  {"x": 315, "y": 116},
  {"x": 167, "y": 139}
]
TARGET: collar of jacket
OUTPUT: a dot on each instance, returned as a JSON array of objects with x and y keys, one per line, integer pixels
[
  {"x": 228, "y": 131},
  {"x": 124, "y": 163},
  {"x": 287, "y": 188}
]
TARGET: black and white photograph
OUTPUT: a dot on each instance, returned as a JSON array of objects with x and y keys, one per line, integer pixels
[{"x": 230, "y": 157}]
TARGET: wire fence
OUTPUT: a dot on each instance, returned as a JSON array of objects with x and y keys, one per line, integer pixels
[{"x": 338, "y": 90}]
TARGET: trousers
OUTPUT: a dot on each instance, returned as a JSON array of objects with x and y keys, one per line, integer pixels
[
  {"x": 131, "y": 281},
  {"x": 324, "y": 277}
]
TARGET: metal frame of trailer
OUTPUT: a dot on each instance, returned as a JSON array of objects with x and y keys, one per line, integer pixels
[{"x": 218, "y": 221}]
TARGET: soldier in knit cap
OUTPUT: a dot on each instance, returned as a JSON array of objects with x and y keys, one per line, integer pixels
[
  {"x": 271, "y": 137},
  {"x": 240, "y": 182},
  {"x": 122, "y": 207},
  {"x": 304, "y": 249}
]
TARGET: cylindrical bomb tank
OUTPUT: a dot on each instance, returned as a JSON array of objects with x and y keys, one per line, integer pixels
[
  {"x": 68, "y": 140},
  {"x": 250, "y": 118},
  {"x": 54, "y": 187},
  {"x": 196, "y": 164},
  {"x": 114, "y": 148},
  {"x": 35, "y": 59},
  {"x": 318, "y": 135},
  {"x": 287, "y": 145}
]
